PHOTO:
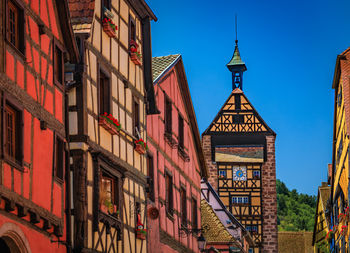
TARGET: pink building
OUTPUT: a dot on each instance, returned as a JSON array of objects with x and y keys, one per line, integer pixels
[{"x": 176, "y": 163}]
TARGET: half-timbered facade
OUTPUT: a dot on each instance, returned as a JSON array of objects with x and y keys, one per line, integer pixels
[
  {"x": 36, "y": 41},
  {"x": 176, "y": 162},
  {"x": 340, "y": 159},
  {"x": 239, "y": 149},
  {"x": 321, "y": 235},
  {"x": 222, "y": 231},
  {"x": 108, "y": 104}
]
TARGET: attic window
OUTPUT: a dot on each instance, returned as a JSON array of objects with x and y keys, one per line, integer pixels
[{"x": 237, "y": 119}]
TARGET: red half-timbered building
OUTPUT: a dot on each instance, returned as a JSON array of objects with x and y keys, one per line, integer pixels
[
  {"x": 175, "y": 162},
  {"x": 35, "y": 43}
]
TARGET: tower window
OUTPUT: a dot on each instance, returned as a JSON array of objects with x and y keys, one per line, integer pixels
[
  {"x": 237, "y": 119},
  {"x": 256, "y": 174},
  {"x": 240, "y": 200}
]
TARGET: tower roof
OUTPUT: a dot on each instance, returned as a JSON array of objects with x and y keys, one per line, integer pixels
[{"x": 236, "y": 62}]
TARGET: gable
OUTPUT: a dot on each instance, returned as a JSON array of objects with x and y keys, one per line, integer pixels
[{"x": 238, "y": 116}]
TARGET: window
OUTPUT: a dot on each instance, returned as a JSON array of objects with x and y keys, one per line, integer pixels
[
  {"x": 252, "y": 229},
  {"x": 15, "y": 25},
  {"x": 13, "y": 134},
  {"x": 181, "y": 131},
  {"x": 104, "y": 94},
  {"x": 194, "y": 213},
  {"x": 59, "y": 160},
  {"x": 169, "y": 193},
  {"x": 237, "y": 119},
  {"x": 109, "y": 194},
  {"x": 339, "y": 97},
  {"x": 240, "y": 200},
  {"x": 183, "y": 207},
  {"x": 106, "y": 6},
  {"x": 168, "y": 115},
  {"x": 58, "y": 65},
  {"x": 222, "y": 173},
  {"x": 132, "y": 29},
  {"x": 150, "y": 168},
  {"x": 237, "y": 102},
  {"x": 136, "y": 119},
  {"x": 256, "y": 174}
]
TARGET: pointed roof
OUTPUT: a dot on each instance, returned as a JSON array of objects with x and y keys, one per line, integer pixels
[
  {"x": 238, "y": 115},
  {"x": 161, "y": 64},
  {"x": 216, "y": 217},
  {"x": 236, "y": 62}
]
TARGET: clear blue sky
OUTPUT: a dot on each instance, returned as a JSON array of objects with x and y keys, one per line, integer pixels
[{"x": 289, "y": 48}]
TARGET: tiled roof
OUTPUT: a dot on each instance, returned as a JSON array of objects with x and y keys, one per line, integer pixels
[
  {"x": 162, "y": 63},
  {"x": 216, "y": 231},
  {"x": 81, "y": 11}
]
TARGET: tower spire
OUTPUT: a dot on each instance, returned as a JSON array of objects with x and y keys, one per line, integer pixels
[{"x": 236, "y": 65}]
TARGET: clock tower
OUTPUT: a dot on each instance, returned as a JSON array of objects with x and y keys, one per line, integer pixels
[{"x": 239, "y": 149}]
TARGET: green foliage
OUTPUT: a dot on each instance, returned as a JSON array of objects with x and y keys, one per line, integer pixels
[{"x": 295, "y": 211}]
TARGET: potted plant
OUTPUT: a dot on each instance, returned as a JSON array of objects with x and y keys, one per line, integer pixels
[
  {"x": 134, "y": 53},
  {"x": 141, "y": 146},
  {"x": 141, "y": 232},
  {"x": 109, "y": 27},
  {"x": 109, "y": 123},
  {"x": 344, "y": 229}
]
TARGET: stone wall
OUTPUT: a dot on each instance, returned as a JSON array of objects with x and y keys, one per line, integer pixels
[
  {"x": 212, "y": 169},
  {"x": 269, "y": 198}
]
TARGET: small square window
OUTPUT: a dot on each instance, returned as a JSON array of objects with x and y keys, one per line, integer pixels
[
  {"x": 222, "y": 173},
  {"x": 256, "y": 174}
]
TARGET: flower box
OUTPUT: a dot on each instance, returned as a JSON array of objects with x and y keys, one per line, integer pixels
[
  {"x": 135, "y": 56},
  {"x": 141, "y": 234},
  {"x": 141, "y": 146},
  {"x": 109, "y": 123},
  {"x": 109, "y": 27}
]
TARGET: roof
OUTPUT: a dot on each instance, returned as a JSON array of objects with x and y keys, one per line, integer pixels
[
  {"x": 163, "y": 63},
  {"x": 252, "y": 121},
  {"x": 216, "y": 231},
  {"x": 82, "y": 12},
  {"x": 236, "y": 61},
  {"x": 210, "y": 195},
  {"x": 295, "y": 242}
]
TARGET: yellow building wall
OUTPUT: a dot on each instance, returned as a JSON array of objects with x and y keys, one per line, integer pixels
[{"x": 342, "y": 142}]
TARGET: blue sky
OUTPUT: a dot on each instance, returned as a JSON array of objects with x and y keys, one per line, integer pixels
[{"x": 289, "y": 48}]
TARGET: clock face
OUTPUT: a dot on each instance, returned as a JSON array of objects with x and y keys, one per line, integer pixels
[{"x": 239, "y": 173}]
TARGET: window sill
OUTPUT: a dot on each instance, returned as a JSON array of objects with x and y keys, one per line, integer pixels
[
  {"x": 110, "y": 219},
  {"x": 19, "y": 52},
  {"x": 13, "y": 163},
  {"x": 170, "y": 140}
]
